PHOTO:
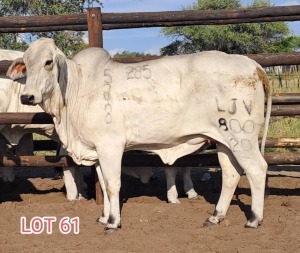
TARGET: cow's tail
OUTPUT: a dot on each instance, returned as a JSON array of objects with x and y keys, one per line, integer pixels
[{"x": 268, "y": 93}]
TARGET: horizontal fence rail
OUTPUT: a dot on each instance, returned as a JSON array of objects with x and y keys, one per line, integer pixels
[
  {"x": 285, "y": 110},
  {"x": 285, "y": 98},
  {"x": 48, "y": 145},
  {"x": 282, "y": 143},
  {"x": 143, "y": 160},
  {"x": 275, "y": 59},
  {"x": 25, "y": 118},
  {"x": 111, "y": 21}
]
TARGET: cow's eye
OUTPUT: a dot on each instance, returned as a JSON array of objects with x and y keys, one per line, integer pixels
[{"x": 48, "y": 63}]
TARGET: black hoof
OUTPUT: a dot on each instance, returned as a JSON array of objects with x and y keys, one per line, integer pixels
[
  {"x": 108, "y": 231},
  {"x": 247, "y": 226},
  {"x": 208, "y": 224}
]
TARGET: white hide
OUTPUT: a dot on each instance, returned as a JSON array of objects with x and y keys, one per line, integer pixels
[{"x": 168, "y": 106}]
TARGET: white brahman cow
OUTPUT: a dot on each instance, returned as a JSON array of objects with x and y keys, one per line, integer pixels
[
  {"x": 6, "y": 174},
  {"x": 169, "y": 106},
  {"x": 17, "y": 136}
]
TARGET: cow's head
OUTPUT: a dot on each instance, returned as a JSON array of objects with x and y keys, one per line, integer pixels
[{"x": 42, "y": 64}]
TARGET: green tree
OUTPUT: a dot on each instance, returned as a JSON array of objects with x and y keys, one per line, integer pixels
[
  {"x": 237, "y": 38},
  {"x": 69, "y": 41},
  {"x": 12, "y": 41}
]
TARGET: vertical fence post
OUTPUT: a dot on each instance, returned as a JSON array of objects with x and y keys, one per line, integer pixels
[{"x": 94, "y": 21}]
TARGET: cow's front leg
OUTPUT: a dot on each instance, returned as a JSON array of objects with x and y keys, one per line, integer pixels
[
  {"x": 103, "y": 219},
  {"x": 110, "y": 164},
  {"x": 256, "y": 170},
  {"x": 69, "y": 179}
]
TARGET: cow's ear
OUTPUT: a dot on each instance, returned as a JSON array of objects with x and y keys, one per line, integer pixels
[
  {"x": 62, "y": 69},
  {"x": 17, "y": 69}
]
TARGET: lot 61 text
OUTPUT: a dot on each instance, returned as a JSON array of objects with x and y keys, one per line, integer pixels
[{"x": 38, "y": 225}]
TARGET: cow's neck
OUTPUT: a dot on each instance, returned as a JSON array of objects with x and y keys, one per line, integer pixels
[{"x": 59, "y": 105}]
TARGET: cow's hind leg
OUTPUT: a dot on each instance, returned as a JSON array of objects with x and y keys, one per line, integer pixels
[
  {"x": 231, "y": 172},
  {"x": 255, "y": 168}
]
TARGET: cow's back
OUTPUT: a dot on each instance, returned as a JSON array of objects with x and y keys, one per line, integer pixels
[{"x": 10, "y": 55}]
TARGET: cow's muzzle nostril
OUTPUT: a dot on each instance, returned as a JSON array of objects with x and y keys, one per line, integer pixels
[{"x": 27, "y": 99}]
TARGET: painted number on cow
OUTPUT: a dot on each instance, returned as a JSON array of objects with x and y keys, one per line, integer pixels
[
  {"x": 138, "y": 72},
  {"x": 239, "y": 145},
  {"x": 236, "y": 126},
  {"x": 223, "y": 124},
  {"x": 37, "y": 225},
  {"x": 233, "y": 107},
  {"x": 107, "y": 95}
]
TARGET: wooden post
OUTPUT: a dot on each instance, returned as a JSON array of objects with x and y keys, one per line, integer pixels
[
  {"x": 95, "y": 27},
  {"x": 94, "y": 21}
]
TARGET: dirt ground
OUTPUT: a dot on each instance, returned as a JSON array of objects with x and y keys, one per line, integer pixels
[{"x": 149, "y": 223}]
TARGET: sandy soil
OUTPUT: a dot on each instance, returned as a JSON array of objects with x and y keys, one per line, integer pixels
[{"x": 149, "y": 223}]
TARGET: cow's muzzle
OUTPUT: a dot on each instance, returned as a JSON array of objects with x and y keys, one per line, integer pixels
[{"x": 27, "y": 99}]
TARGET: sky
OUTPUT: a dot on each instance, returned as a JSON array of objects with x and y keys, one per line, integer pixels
[{"x": 150, "y": 40}]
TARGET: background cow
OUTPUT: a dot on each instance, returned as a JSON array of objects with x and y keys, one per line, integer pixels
[
  {"x": 17, "y": 138},
  {"x": 169, "y": 106}
]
